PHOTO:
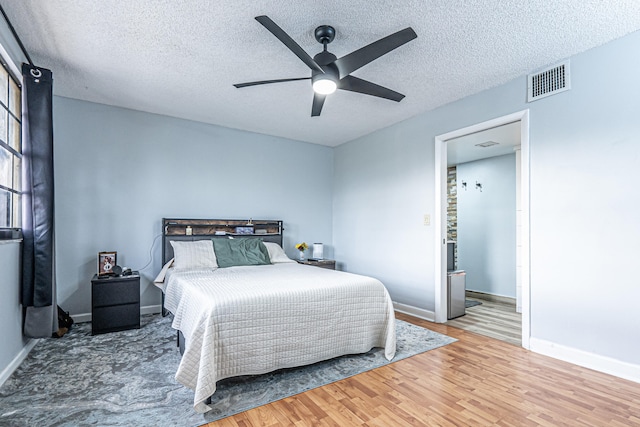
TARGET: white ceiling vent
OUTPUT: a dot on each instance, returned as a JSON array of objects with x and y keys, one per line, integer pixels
[
  {"x": 549, "y": 81},
  {"x": 487, "y": 144}
]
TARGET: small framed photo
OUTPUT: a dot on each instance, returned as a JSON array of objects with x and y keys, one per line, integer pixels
[{"x": 106, "y": 262}]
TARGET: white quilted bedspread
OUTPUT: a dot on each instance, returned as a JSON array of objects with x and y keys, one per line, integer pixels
[{"x": 256, "y": 319}]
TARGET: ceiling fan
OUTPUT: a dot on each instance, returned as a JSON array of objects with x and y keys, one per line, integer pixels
[{"x": 329, "y": 73}]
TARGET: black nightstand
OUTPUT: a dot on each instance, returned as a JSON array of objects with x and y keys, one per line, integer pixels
[
  {"x": 115, "y": 303},
  {"x": 322, "y": 263}
]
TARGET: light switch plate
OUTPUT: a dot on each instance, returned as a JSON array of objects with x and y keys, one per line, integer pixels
[{"x": 427, "y": 219}]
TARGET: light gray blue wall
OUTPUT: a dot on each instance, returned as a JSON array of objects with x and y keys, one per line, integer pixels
[
  {"x": 10, "y": 45},
  {"x": 383, "y": 185},
  {"x": 487, "y": 225},
  {"x": 585, "y": 233},
  {"x": 118, "y": 172},
  {"x": 10, "y": 308}
]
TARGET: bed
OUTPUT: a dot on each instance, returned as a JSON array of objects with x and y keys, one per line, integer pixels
[{"x": 252, "y": 319}]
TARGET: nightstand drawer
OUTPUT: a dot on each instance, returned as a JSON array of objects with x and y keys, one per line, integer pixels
[
  {"x": 115, "y": 318},
  {"x": 115, "y": 303},
  {"x": 114, "y": 293}
]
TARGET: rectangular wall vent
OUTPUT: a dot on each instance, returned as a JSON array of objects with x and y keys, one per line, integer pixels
[
  {"x": 487, "y": 144},
  {"x": 549, "y": 81}
]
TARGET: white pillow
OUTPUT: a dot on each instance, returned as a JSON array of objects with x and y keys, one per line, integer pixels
[
  {"x": 276, "y": 253},
  {"x": 196, "y": 254}
]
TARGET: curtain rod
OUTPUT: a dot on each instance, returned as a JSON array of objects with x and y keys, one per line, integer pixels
[{"x": 15, "y": 35}]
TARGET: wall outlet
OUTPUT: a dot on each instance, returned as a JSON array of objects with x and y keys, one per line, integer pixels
[{"x": 427, "y": 219}]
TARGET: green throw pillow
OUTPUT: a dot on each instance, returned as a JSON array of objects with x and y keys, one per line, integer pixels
[{"x": 233, "y": 252}]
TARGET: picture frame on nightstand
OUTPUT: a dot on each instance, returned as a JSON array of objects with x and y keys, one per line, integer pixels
[{"x": 106, "y": 262}]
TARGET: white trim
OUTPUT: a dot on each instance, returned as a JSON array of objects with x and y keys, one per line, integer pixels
[
  {"x": 147, "y": 309},
  {"x": 440, "y": 224},
  {"x": 6, "y": 373},
  {"x": 491, "y": 297},
  {"x": 4, "y": 242},
  {"x": 81, "y": 318},
  {"x": 599, "y": 363},
  {"x": 414, "y": 311},
  {"x": 526, "y": 229},
  {"x": 440, "y": 215},
  {"x": 151, "y": 309}
]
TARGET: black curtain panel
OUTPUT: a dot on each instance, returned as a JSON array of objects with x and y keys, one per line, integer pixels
[{"x": 38, "y": 266}]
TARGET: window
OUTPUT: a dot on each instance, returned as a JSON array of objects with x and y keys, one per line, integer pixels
[{"x": 10, "y": 150}]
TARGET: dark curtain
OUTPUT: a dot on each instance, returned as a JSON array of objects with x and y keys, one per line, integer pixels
[{"x": 38, "y": 266}]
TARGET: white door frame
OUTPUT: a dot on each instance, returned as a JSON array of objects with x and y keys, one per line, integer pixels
[{"x": 440, "y": 222}]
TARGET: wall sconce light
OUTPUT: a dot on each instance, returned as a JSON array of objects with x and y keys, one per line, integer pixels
[
  {"x": 464, "y": 185},
  {"x": 478, "y": 186}
]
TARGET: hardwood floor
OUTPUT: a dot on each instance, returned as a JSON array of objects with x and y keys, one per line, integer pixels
[
  {"x": 476, "y": 381},
  {"x": 494, "y": 319}
]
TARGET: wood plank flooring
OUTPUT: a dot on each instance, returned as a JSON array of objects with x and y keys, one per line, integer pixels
[
  {"x": 476, "y": 381},
  {"x": 493, "y": 319}
]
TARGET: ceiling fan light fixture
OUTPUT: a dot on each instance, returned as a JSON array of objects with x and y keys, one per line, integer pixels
[
  {"x": 325, "y": 86},
  {"x": 329, "y": 73}
]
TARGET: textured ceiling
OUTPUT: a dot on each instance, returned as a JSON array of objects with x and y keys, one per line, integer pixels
[{"x": 181, "y": 58}]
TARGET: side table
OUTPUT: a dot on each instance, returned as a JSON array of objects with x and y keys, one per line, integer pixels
[{"x": 115, "y": 303}]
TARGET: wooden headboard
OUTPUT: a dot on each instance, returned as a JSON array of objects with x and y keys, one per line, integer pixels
[{"x": 200, "y": 229}]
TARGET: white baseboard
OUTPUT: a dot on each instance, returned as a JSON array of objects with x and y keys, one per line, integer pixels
[
  {"x": 147, "y": 309},
  {"x": 6, "y": 373},
  {"x": 151, "y": 309},
  {"x": 608, "y": 365},
  {"x": 491, "y": 297},
  {"x": 415, "y": 311},
  {"x": 81, "y": 318}
]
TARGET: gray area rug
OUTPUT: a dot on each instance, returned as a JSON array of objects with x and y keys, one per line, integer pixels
[
  {"x": 127, "y": 378},
  {"x": 471, "y": 303}
]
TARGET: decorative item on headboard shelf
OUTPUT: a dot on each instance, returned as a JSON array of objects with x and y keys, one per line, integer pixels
[{"x": 244, "y": 230}]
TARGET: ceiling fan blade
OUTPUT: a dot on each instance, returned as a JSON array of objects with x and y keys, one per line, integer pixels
[
  {"x": 318, "y": 102},
  {"x": 356, "y": 59},
  {"x": 288, "y": 41},
  {"x": 266, "y": 82},
  {"x": 355, "y": 84}
]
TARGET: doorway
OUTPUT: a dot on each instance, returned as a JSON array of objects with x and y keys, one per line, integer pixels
[{"x": 440, "y": 216}]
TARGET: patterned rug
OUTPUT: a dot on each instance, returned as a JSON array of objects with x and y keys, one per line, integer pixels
[{"x": 127, "y": 378}]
